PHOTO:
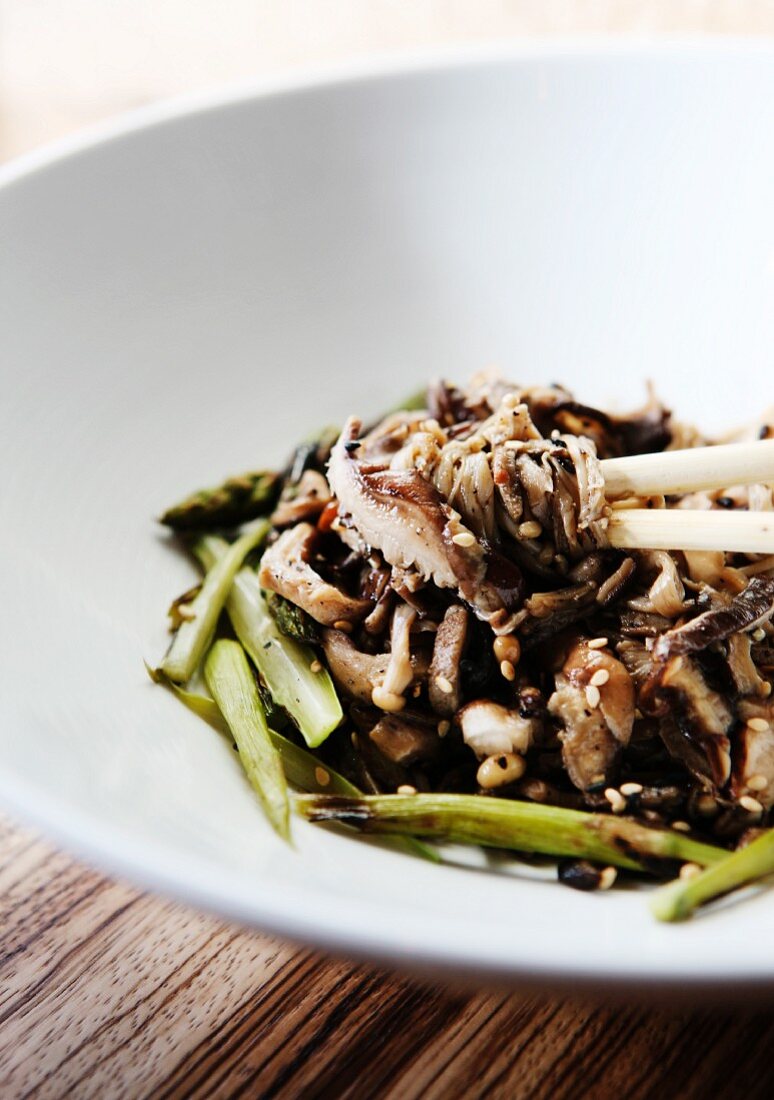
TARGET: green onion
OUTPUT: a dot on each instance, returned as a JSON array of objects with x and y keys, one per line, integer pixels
[
  {"x": 521, "y": 826},
  {"x": 287, "y": 666},
  {"x": 193, "y": 637},
  {"x": 232, "y": 684},
  {"x": 679, "y": 899}
]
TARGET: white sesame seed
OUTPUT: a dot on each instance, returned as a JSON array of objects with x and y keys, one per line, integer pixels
[
  {"x": 759, "y": 724},
  {"x": 507, "y": 670},
  {"x": 681, "y": 826},
  {"x": 530, "y": 529},
  {"x": 765, "y": 688},
  {"x": 406, "y": 788},
  {"x": 690, "y": 870},
  {"x": 759, "y": 634},
  {"x": 752, "y": 805},
  {"x": 443, "y": 728},
  {"x": 592, "y": 696},
  {"x": 616, "y": 800},
  {"x": 757, "y": 782},
  {"x": 315, "y": 666},
  {"x": 443, "y": 684},
  {"x": 597, "y": 643},
  {"x": 607, "y": 877},
  {"x": 343, "y": 625},
  {"x": 600, "y": 677},
  {"x": 631, "y": 788},
  {"x": 464, "y": 538},
  {"x": 322, "y": 777}
]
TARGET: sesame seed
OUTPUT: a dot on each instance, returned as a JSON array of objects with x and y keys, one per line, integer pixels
[
  {"x": 322, "y": 777},
  {"x": 507, "y": 670},
  {"x": 631, "y": 788},
  {"x": 597, "y": 643},
  {"x": 765, "y": 688},
  {"x": 752, "y": 805},
  {"x": 616, "y": 800},
  {"x": 464, "y": 538},
  {"x": 444, "y": 685},
  {"x": 185, "y": 611},
  {"x": 406, "y": 788},
  {"x": 607, "y": 877},
  {"x": 759, "y": 634},
  {"x": 757, "y": 782},
  {"x": 315, "y": 666},
  {"x": 443, "y": 728},
  {"x": 592, "y": 696},
  {"x": 530, "y": 529},
  {"x": 759, "y": 724},
  {"x": 342, "y": 624},
  {"x": 600, "y": 677},
  {"x": 690, "y": 870},
  {"x": 681, "y": 826}
]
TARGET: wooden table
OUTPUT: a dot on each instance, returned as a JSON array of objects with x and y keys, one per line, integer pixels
[{"x": 108, "y": 992}]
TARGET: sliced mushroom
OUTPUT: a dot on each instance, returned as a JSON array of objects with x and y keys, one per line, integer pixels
[
  {"x": 550, "y": 612},
  {"x": 754, "y": 765},
  {"x": 405, "y": 517},
  {"x": 388, "y": 695},
  {"x": 747, "y": 679},
  {"x": 356, "y": 673},
  {"x": 305, "y": 501},
  {"x": 678, "y": 689},
  {"x": 753, "y": 772},
  {"x": 285, "y": 569},
  {"x": 594, "y": 702},
  {"x": 443, "y": 681},
  {"x": 489, "y": 728},
  {"x": 404, "y": 742},
  {"x": 359, "y": 674},
  {"x": 751, "y": 607}
]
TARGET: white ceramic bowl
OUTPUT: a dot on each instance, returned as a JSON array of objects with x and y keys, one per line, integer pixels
[{"x": 188, "y": 292}]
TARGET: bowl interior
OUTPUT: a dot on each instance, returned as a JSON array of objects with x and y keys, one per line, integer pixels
[{"x": 191, "y": 295}]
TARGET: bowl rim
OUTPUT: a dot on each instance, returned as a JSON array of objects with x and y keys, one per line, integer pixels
[{"x": 112, "y": 849}]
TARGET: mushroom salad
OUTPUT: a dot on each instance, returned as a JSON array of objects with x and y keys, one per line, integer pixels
[{"x": 424, "y": 625}]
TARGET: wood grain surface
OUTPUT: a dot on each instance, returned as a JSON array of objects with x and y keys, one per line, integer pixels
[{"x": 107, "y": 992}]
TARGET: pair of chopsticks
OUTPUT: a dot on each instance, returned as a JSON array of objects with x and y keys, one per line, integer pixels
[{"x": 676, "y": 472}]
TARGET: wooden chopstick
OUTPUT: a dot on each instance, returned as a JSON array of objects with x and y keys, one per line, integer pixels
[
  {"x": 691, "y": 529},
  {"x": 687, "y": 471}
]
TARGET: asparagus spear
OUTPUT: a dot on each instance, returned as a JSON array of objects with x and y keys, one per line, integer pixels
[
  {"x": 521, "y": 826},
  {"x": 287, "y": 666},
  {"x": 302, "y": 769},
  {"x": 232, "y": 684},
  {"x": 678, "y": 900},
  {"x": 235, "y": 501},
  {"x": 292, "y": 620},
  {"x": 193, "y": 635}
]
